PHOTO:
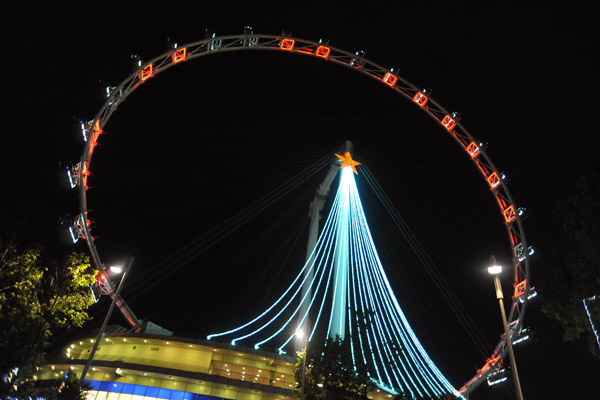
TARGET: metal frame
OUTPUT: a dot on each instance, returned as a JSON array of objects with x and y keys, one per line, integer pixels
[{"x": 356, "y": 61}]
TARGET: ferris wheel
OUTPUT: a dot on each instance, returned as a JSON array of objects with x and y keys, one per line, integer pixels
[{"x": 449, "y": 124}]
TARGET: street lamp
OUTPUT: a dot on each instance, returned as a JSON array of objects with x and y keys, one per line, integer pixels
[
  {"x": 495, "y": 271},
  {"x": 115, "y": 269},
  {"x": 301, "y": 334}
]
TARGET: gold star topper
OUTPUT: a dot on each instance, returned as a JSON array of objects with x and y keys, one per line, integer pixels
[{"x": 347, "y": 161}]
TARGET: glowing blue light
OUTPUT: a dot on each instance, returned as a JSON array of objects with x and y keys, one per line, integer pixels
[
  {"x": 347, "y": 274},
  {"x": 74, "y": 237},
  {"x": 521, "y": 339},
  {"x": 589, "y": 314}
]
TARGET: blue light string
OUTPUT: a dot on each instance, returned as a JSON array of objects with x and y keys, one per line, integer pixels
[
  {"x": 310, "y": 262},
  {"x": 381, "y": 331},
  {"x": 372, "y": 297},
  {"x": 414, "y": 340},
  {"x": 391, "y": 347},
  {"x": 296, "y": 312},
  {"x": 256, "y": 346},
  {"x": 374, "y": 329},
  {"x": 341, "y": 194},
  {"x": 385, "y": 307},
  {"x": 589, "y": 314},
  {"x": 389, "y": 294},
  {"x": 403, "y": 328},
  {"x": 362, "y": 288}
]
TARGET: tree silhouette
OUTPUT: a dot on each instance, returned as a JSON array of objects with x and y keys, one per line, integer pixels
[
  {"x": 37, "y": 297},
  {"x": 578, "y": 251}
]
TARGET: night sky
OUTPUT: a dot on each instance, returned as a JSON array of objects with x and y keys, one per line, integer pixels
[{"x": 206, "y": 139}]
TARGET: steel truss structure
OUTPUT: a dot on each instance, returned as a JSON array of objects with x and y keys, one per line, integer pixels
[{"x": 449, "y": 122}]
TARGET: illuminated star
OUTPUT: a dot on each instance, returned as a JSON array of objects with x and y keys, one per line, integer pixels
[{"x": 347, "y": 161}]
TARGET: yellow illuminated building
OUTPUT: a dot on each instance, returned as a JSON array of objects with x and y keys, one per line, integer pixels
[{"x": 129, "y": 366}]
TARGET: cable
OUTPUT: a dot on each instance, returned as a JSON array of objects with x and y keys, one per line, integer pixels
[{"x": 463, "y": 317}]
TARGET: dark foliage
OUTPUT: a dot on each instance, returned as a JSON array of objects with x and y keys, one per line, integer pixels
[{"x": 578, "y": 251}]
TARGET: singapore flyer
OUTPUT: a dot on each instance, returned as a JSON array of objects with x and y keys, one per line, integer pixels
[
  {"x": 262, "y": 183},
  {"x": 449, "y": 122}
]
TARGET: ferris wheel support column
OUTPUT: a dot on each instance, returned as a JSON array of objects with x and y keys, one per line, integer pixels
[
  {"x": 86, "y": 233},
  {"x": 316, "y": 206}
]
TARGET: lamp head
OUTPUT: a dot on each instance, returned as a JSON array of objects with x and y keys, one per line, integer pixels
[
  {"x": 117, "y": 269},
  {"x": 495, "y": 269}
]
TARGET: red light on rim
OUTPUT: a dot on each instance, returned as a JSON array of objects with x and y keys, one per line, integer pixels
[
  {"x": 493, "y": 180},
  {"x": 97, "y": 128},
  {"x": 509, "y": 214},
  {"x": 85, "y": 172},
  {"x": 473, "y": 149},
  {"x": 489, "y": 362},
  {"x": 390, "y": 79},
  {"x": 287, "y": 44},
  {"x": 448, "y": 123},
  {"x": 146, "y": 72},
  {"x": 420, "y": 99},
  {"x": 322, "y": 51},
  {"x": 96, "y": 131},
  {"x": 520, "y": 288},
  {"x": 179, "y": 55}
]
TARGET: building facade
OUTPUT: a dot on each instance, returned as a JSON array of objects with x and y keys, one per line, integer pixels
[{"x": 130, "y": 366}]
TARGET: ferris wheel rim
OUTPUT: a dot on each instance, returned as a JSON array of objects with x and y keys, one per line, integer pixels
[{"x": 450, "y": 122}]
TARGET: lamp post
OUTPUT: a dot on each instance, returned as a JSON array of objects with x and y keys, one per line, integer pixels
[
  {"x": 495, "y": 271},
  {"x": 300, "y": 334},
  {"x": 108, "y": 314}
]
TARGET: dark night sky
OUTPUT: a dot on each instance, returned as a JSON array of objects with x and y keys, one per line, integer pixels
[{"x": 201, "y": 141}]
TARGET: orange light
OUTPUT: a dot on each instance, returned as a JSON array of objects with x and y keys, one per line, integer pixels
[
  {"x": 493, "y": 180},
  {"x": 287, "y": 44},
  {"x": 95, "y": 133},
  {"x": 85, "y": 172},
  {"x": 347, "y": 161},
  {"x": 420, "y": 99},
  {"x": 509, "y": 214},
  {"x": 520, "y": 288},
  {"x": 146, "y": 72},
  {"x": 322, "y": 51},
  {"x": 448, "y": 123},
  {"x": 179, "y": 55},
  {"x": 390, "y": 79},
  {"x": 473, "y": 149},
  {"x": 489, "y": 362}
]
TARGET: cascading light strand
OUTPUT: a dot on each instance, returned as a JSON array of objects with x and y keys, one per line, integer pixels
[
  {"x": 347, "y": 274},
  {"x": 298, "y": 290},
  {"x": 309, "y": 264},
  {"x": 379, "y": 328},
  {"x": 420, "y": 357}
]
